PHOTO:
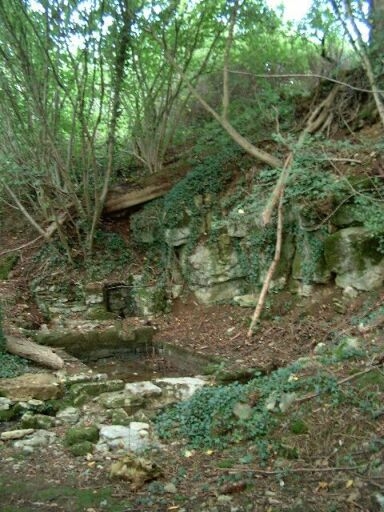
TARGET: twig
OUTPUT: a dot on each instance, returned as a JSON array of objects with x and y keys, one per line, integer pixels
[
  {"x": 351, "y": 160},
  {"x": 338, "y": 383},
  {"x": 295, "y": 470},
  {"x": 21, "y": 246},
  {"x": 306, "y": 75},
  {"x": 318, "y": 226}
]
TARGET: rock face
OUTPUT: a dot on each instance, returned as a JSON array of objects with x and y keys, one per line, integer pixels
[
  {"x": 219, "y": 252},
  {"x": 214, "y": 272},
  {"x": 42, "y": 386},
  {"x": 353, "y": 255}
]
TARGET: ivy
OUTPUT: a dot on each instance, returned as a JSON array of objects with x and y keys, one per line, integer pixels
[{"x": 10, "y": 365}]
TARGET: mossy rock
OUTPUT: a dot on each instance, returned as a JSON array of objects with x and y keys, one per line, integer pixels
[
  {"x": 37, "y": 421},
  {"x": 79, "y": 392},
  {"x": 81, "y": 449},
  {"x": 7, "y": 414},
  {"x": 353, "y": 255},
  {"x": 309, "y": 264},
  {"x": 99, "y": 313},
  {"x": 120, "y": 417},
  {"x": 150, "y": 300},
  {"x": 77, "y": 435}
]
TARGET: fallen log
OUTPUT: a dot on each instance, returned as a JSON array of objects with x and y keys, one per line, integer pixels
[
  {"x": 37, "y": 353},
  {"x": 116, "y": 202}
]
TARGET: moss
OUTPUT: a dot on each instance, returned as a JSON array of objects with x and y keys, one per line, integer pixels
[
  {"x": 7, "y": 263},
  {"x": 373, "y": 380},
  {"x": 81, "y": 449},
  {"x": 76, "y": 435},
  {"x": 37, "y": 421},
  {"x": 7, "y": 414},
  {"x": 298, "y": 426},
  {"x": 95, "y": 388},
  {"x": 120, "y": 417},
  {"x": 144, "y": 334},
  {"x": 99, "y": 313},
  {"x": 351, "y": 247}
]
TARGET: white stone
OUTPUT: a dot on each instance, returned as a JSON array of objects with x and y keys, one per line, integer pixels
[
  {"x": 39, "y": 438},
  {"x": 136, "y": 437},
  {"x": 177, "y": 236},
  {"x": 5, "y": 403},
  {"x": 145, "y": 389},
  {"x": 16, "y": 434},
  {"x": 69, "y": 415},
  {"x": 181, "y": 388},
  {"x": 350, "y": 293},
  {"x": 246, "y": 301}
]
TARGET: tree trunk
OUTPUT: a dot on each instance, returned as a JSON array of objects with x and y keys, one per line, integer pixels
[{"x": 37, "y": 353}]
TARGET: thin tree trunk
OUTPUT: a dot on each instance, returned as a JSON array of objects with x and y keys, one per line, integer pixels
[{"x": 275, "y": 261}]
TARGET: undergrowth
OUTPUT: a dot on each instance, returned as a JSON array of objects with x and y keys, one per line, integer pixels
[
  {"x": 220, "y": 416},
  {"x": 10, "y": 365}
]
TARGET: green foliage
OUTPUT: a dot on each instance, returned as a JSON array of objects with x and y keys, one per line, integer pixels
[
  {"x": 10, "y": 365},
  {"x": 206, "y": 180},
  {"x": 370, "y": 212},
  {"x": 111, "y": 254},
  {"x": 211, "y": 417},
  {"x": 309, "y": 183},
  {"x": 147, "y": 226},
  {"x": 298, "y": 426}
]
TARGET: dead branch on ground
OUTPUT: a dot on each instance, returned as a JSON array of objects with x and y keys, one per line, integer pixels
[{"x": 34, "y": 352}]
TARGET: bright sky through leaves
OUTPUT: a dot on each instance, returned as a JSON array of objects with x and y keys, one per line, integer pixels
[{"x": 293, "y": 9}]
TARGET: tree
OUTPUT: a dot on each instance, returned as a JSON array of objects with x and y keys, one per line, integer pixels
[
  {"x": 61, "y": 83},
  {"x": 351, "y": 14},
  {"x": 156, "y": 95}
]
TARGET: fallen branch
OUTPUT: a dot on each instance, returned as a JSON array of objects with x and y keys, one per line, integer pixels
[
  {"x": 363, "y": 329},
  {"x": 34, "y": 352},
  {"x": 115, "y": 203},
  {"x": 305, "y": 75},
  {"x": 2, "y": 253},
  {"x": 338, "y": 383},
  {"x": 316, "y": 121},
  {"x": 295, "y": 470}
]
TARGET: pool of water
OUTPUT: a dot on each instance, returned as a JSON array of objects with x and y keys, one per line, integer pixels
[{"x": 133, "y": 368}]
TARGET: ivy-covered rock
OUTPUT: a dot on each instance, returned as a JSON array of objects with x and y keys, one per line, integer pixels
[
  {"x": 309, "y": 264},
  {"x": 80, "y": 392},
  {"x": 149, "y": 299},
  {"x": 353, "y": 255}
]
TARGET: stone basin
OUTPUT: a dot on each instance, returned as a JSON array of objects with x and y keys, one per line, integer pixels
[{"x": 129, "y": 354}]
